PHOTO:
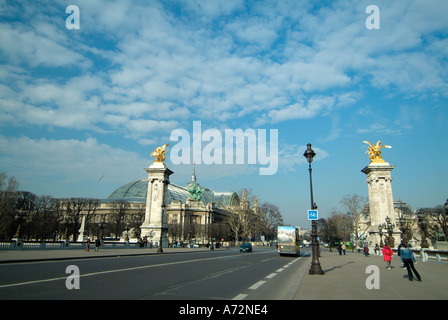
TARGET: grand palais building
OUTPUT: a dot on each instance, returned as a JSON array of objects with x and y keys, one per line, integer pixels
[{"x": 197, "y": 218}]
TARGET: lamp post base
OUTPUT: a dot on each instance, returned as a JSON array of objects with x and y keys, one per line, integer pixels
[
  {"x": 316, "y": 269},
  {"x": 315, "y": 264}
]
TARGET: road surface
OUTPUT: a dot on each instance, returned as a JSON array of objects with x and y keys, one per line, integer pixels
[{"x": 211, "y": 275}]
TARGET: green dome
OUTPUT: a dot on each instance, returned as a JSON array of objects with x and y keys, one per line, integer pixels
[{"x": 136, "y": 192}]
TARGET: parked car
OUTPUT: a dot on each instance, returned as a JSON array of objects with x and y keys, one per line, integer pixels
[{"x": 246, "y": 247}]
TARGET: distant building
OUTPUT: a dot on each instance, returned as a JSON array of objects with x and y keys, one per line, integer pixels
[{"x": 191, "y": 217}]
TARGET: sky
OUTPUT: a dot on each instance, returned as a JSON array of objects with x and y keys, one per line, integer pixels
[{"x": 82, "y": 107}]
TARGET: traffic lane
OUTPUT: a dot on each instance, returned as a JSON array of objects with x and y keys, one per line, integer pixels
[
  {"x": 141, "y": 281},
  {"x": 34, "y": 271},
  {"x": 228, "y": 282},
  {"x": 282, "y": 284}
]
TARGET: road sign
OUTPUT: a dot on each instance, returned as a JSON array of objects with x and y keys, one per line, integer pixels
[{"x": 312, "y": 215}]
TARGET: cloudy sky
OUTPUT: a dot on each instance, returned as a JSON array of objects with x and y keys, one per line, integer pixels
[{"x": 82, "y": 109}]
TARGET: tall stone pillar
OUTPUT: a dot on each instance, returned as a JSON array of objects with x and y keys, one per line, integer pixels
[
  {"x": 155, "y": 224},
  {"x": 381, "y": 201},
  {"x": 81, "y": 236}
]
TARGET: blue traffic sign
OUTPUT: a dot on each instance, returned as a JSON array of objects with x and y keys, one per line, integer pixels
[{"x": 312, "y": 215}]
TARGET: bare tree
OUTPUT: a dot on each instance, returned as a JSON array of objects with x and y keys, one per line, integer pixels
[
  {"x": 354, "y": 205},
  {"x": 235, "y": 224},
  {"x": 270, "y": 218},
  {"x": 119, "y": 211},
  {"x": 8, "y": 189}
]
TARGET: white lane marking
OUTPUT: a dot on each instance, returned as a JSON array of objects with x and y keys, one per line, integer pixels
[
  {"x": 257, "y": 285},
  {"x": 280, "y": 270}
]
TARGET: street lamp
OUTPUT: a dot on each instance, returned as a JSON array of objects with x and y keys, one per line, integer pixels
[
  {"x": 423, "y": 224},
  {"x": 160, "y": 250},
  {"x": 390, "y": 228},
  {"x": 380, "y": 232},
  {"x": 315, "y": 264}
]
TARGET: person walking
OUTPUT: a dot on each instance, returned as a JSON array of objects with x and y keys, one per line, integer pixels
[
  {"x": 88, "y": 244},
  {"x": 399, "y": 253},
  {"x": 387, "y": 254},
  {"x": 366, "y": 250},
  {"x": 340, "y": 249},
  {"x": 343, "y": 248},
  {"x": 377, "y": 249},
  {"x": 408, "y": 259},
  {"x": 97, "y": 244}
]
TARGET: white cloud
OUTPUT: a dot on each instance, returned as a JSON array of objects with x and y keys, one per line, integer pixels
[
  {"x": 20, "y": 45},
  {"x": 291, "y": 156},
  {"x": 66, "y": 161},
  {"x": 158, "y": 68}
]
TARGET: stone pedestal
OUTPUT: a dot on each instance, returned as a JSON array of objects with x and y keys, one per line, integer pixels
[
  {"x": 155, "y": 224},
  {"x": 381, "y": 202}
]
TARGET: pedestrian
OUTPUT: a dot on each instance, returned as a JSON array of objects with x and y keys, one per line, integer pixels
[
  {"x": 387, "y": 253},
  {"x": 343, "y": 248},
  {"x": 377, "y": 249},
  {"x": 340, "y": 249},
  {"x": 399, "y": 253},
  {"x": 88, "y": 244},
  {"x": 366, "y": 250},
  {"x": 408, "y": 258},
  {"x": 97, "y": 244}
]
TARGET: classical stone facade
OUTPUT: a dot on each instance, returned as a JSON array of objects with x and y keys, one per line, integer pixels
[{"x": 186, "y": 219}]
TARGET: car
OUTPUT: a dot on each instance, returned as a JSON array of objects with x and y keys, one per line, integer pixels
[{"x": 246, "y": 247}]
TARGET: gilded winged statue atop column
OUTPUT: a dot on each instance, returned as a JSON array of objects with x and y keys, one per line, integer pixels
[
  {"x": 374, "y": 151},
  {"x": 159, "y": 154}
]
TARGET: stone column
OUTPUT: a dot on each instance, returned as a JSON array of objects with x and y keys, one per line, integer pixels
[
  {"x": 81, "y": 236},
  {"x": 381, "y": 202},
  {"x": 155, "y": 222}
]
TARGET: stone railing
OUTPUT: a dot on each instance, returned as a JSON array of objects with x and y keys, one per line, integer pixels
[
  {"x": 436, "y": 255},
  {"x": 25, "y": 245}
]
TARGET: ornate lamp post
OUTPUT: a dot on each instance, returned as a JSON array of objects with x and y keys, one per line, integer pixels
[
  {"x": 404, "y": 228},
  {"x": 390, "y": 228},
  {"x": 422, "y": 223},
  {"x": 380, "y": 232},
  {"x": 315, "y": 264},
  {"x": 160, "y": 250}
]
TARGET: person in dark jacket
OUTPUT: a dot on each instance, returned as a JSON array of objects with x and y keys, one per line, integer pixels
[
  {"x": 399, "y": 253},
  {"x": 408, "y": 260},
  {"x": 97, "y": 244}
]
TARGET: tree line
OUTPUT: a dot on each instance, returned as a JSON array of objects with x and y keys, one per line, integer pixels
[{"x": 40, "y": 218}]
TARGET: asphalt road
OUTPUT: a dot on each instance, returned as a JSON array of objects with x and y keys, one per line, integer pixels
[{"x": 220, "y": 274}]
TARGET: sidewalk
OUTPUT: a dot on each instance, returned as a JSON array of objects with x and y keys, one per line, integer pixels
[
  {"x": 32, "y": 255},
  {"x": 345, "y": 278}
]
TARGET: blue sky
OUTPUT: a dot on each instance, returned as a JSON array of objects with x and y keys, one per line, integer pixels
[{"x": 82, "y": 109}]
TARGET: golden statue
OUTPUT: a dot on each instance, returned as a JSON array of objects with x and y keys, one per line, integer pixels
[
  {"x": 159, "y": 154},
  {"x": 374, "y": 151}
]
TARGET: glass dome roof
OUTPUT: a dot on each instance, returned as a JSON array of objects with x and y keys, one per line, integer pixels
[{"x": 136, "y": 192}]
